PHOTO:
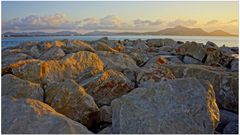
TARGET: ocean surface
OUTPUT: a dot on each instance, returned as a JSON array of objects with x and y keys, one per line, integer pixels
[{"x": 219, "y": 40}]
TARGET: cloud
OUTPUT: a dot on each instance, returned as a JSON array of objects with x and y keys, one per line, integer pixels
[
  {"x": 145, "y": 23},
  {"x": 107, "y": 22},
  {"x": 35, "y": 22},
  {"x": 212, "y": 22},
  {"x": 176, "y": 22}
]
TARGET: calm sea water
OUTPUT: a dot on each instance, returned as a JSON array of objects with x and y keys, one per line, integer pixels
[{"x": 228, "y": 41}]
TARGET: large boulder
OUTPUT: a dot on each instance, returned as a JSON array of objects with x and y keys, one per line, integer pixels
[
  {"x": 37, "y": 50},
  {"x": 71, "y": 100},
  {"x": 76, "y": 46},
  {"x": 57, "y": 70},
  {"x": 117, "y": 61},
  {"x": 160, "y": 42},
  {"x": 182, "y": 106},
  {"x": 151, "y": 74},
  {"x": 107, "y": 86},
  {"x": 12, "y": 57},
  {"x": 9, "y": 69},
  {"x": 53, "y": 53},
  {"x": 102, "y": 46},
  {"x": 18, "y": 88},
  {"x": 192, "y": 49},
  {"x": 28, "y": 116},
  {"x": 224, "y": 83}
]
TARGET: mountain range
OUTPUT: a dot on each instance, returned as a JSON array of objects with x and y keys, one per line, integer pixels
[{"x": 176, "y": 31}]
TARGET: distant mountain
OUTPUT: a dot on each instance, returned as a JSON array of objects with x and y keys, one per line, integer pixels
[
  {"x": 33, "y": 34},
  {"x": 176, "y": 31},
  {"x": 220, "y": 33},
  {"x": 184, "y": 31}
]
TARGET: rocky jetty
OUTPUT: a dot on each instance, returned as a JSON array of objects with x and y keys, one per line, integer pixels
[{"x": 116, "y": 87}]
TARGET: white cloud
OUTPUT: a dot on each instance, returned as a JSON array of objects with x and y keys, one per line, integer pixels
[
  {"x": 145, "y": 23},
  {"x": 177, "y": 22},
  {"x": 212, "y": 22}
]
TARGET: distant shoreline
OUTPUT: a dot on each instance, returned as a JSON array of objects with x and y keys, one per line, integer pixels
[{"x": 24, "y": 36}]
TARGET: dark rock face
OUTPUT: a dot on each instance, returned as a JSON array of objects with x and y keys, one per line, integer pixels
[{"x": 227, "y": 117}]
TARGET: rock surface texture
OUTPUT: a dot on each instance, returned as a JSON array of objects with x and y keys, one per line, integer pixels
[
  {"x": 28, "y": 116},
  {"x": 178, "y": 106}
]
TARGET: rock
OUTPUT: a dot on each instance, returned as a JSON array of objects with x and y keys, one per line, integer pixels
[
  {"x": 231, "y": 127},
  {"x": 117, "y": 61},
  {"x": 31, "y": 71},
  {"x": 160, "y": 42},
  {"x": 225, "y": 118},
  {"x": 18, "y": 88},
  {"x": 192, "y": 49},
  {"x": 156, "y": 61},
  {"x": 10, "y": 58},
  {"x": 182, "y": 106},
  {"x": 60, "y": 43},
  {"x": 57, "y": 70},
  {"x": 116, "y": 45},
  {"x": 9, "y": 69},
  {"x": 100, "y": 46},
  {"x": 173, "y": 59},
  {"x": 76, "y": 46},
  {"x": 211, "y": 45},
  {"x": 53, "y": 53},
  {"x": 190, "y": 60},
  {"x": 226, "y": 50},
  {"x": 234, "y": 65},
  {"x": 106, "y": 114},
  {"x": 71, "y": 100},
  {"x": 213, "y": 57},
  {"x": 107, "y": 86},
  {"x": 107, "y": 130},
  {"x": 37, "y": 50},
  {"x": 224, "y": 83},
  {"x": 154, "y": 75},
  {"x": 140, "y": 58},
  {"x": 28, "y": 116},
  {"x": 27, "y": 45}
]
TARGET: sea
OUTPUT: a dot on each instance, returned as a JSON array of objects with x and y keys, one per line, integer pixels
[{"x": 219, "y": 40}]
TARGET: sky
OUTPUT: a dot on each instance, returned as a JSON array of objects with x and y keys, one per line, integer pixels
[{"x": 135, "y": 16}]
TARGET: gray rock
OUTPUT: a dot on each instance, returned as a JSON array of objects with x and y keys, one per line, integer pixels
[
  {"x": 107, "y": 130},
  {"x": 53, "y": 53},
  {"x": 176, "y": 106},
  {"x": 231, "y": 128},
  {"x": 160, "y": 42},
  {"x": 225, "y": 118},
  {"x": 71, "y": 100},
  {"x": 234, "y": 65},
  {"x": 106, "y": 114},
  {"x": 190, "y": 60},
  {"x": 107, "y": 86},
  {"x": 192, "y": 49},
  {"x": 28, "y": 116},
  {"x": 18, "y": 88},
  {"x": 225, "y": 84}
]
